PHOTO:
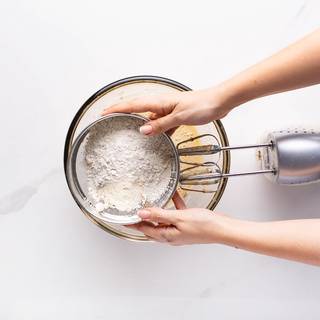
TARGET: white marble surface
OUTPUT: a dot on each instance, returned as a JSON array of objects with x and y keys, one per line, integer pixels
[{"x": 55, "y": 264}]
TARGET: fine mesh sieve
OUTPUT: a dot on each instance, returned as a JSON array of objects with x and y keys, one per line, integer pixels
[{"x": 77, "y": 172}]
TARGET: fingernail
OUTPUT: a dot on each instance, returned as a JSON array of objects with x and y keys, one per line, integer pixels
[
  {"x": 144, "y": 214},
  {"x": 146, "y": 129}
]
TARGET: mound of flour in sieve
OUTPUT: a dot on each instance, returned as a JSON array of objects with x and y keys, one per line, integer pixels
[{"x": 125, "y": 169}]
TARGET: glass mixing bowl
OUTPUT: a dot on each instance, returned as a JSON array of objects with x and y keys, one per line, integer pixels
[{"x": 130, "y": 88}]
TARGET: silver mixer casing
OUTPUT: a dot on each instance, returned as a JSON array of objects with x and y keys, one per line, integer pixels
[{"x": 294, "y": 156}]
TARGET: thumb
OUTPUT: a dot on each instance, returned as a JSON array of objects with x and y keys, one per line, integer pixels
[
  {"x": 158, "y": 215},
  {"x": 160, "y": 125}
]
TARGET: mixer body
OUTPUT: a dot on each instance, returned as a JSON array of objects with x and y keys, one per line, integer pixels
[{"x": 294, "y": 157}]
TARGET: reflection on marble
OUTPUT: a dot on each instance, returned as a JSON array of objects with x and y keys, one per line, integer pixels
[
  {"x": 16, "y": 200},
  {"x": 301, "y": 9}
]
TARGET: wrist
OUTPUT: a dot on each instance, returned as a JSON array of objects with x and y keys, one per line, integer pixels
[
  {"x": 234, "y": 232},
  {"x": 220, "y": 229},
  {"x": 233, "y": 93}
]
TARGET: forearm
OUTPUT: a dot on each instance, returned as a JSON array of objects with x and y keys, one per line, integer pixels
[
  {"x": 294, "y": 67},
  {"x": 293, "y": 239}
]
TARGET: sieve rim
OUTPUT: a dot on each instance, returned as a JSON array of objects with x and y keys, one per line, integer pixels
[{"x": 81, "y": 198}]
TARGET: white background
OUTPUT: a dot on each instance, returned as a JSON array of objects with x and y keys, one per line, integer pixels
[{"x": 55, "y": 264}]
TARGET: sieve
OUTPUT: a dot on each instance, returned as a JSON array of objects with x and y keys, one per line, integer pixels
[{"x": 77, "y": 173}]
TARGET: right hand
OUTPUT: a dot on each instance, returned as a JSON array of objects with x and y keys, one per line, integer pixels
[
  {"x": 182, "y": 226},
  {"x": 172, "y": 110}
]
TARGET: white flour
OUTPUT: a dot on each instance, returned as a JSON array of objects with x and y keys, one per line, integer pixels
[{"x": 126, "y": 170}]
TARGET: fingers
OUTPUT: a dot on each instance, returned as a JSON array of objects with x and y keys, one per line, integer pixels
[
  {"x": 135, "y": 105},
  {"x": 150, "y": 230},
  {"x": 159, "y": 125},
  {"x": 161, "y": 119},
  {"x": 153, "y": 116},
  {"x": 161, "y": 233},
  {"x": 178, "y": 201},
  {"x": 145, "y": 227},
  {"x": 158, "y": 215}
]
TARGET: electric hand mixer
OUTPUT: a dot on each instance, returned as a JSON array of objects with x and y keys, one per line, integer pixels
[{"x": 288, "y": 157}]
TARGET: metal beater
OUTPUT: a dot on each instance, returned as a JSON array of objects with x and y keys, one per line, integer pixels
[{"x": 287, "y": 157}]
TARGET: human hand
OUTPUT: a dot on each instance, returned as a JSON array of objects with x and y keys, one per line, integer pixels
[
  {"x": 182, "y": 226},
  {"x": 292, "y": 239},
  {"x": 172, "y": 110}
]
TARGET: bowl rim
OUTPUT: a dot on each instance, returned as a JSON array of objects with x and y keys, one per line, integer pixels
[{"x": 118, "y": 84}]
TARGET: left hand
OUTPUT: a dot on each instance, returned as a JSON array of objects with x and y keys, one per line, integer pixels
[
  {"x": 182, "y": 226},
  {"x": 169, "y": 111}
]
